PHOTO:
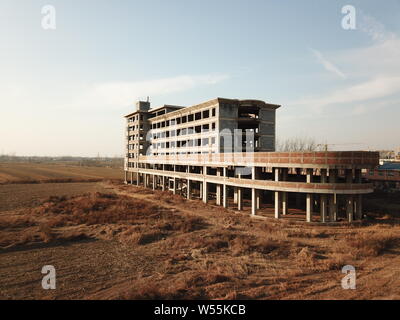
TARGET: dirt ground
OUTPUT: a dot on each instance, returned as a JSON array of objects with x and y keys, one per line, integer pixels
[
  {"x": 38, "y": 172},
  {"x": 111, "y": 241}
]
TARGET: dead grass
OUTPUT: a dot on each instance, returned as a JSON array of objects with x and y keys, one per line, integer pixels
[
  {"x": 188, "y": 250},
  {"x": 371, "y": 245}
]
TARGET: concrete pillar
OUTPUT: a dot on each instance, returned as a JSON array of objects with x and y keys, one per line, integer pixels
[
  {"x": 253, "y": 202},
  {"x": 284, "y": 177},
  {"x": 309, "y": 175},
  {"x": 358, "y": 205},
  {"x": 218, "y": 189},
  {"x": 205, "y": 191},
  {"x": 276, "y": 174},
  {"x": 175, "y": 185},
  {"x": 225, "y": 195},
  {"x": 278, "y": 204},
  {"x": 253, "y": 192},
  {"x": 188, "y": 189},
  {"x": 350, "y": 208},
  {"x": 126, "y": 177},
  {"x": 154, "y": 182},
  {"x": 235, "y": 195},
  {"x": 324, "y": 207},
  {"x": 309, "y": 207},
  {"x": 218, "y": 194},
  {"x": 163, "y": 183},
  {"x": 333, "y": 207},
  {"x": 145, "y": 180},
  {"x": 201, "y": 190},
  {"x": 240, "y": 198},
  {"x": 224, "y": 189},
  {"x": 258, "y": 199},
  {"x": 285, "y": 203}
]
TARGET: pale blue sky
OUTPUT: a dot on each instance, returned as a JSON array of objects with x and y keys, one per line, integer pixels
[{"x": 65, "y": 91}]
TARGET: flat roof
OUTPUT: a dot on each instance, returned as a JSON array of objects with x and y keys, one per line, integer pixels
[{"x": 209, "y": 102}]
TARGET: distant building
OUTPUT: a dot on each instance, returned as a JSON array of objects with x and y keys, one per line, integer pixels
[{"x": 385, "y": 176}]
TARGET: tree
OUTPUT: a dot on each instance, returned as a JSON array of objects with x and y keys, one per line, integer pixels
[{"x": 297, "y": 144}]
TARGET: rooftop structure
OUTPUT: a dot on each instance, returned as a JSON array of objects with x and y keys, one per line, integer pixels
[{"x": 223, "y": 149}]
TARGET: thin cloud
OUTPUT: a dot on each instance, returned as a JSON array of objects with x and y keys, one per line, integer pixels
[
  {"x": 122, "y": 94},
  {"x": 378, "y": 87},
  {"x": 329, "y": 66}
]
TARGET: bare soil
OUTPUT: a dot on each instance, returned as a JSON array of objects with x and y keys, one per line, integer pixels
[{"x": 112, "y": 241}]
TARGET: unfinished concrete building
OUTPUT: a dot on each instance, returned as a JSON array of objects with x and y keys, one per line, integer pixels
[{"x": 222, "y": 151}]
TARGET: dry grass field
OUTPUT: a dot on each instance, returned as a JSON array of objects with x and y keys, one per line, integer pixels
[
  {"x": 43, "y": 172},
  {"x": 114, "y": 241}
]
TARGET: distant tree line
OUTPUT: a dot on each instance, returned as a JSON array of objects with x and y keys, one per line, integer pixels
[
  {"x": 112, "y": 162},
  {"x": 297, "y": 144}
]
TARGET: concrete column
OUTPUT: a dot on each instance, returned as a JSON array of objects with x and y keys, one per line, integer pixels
[
  {"x": 253, "y": 193},
  {"x": 358, "y": 205},
  {"x": 205, "y": 191},
  {"x": 163, "y": 183},
  {"x": 278, "y": 204},
  {"x": 235, "y": 195},
  {"x": 350, "y": 208},
  {"x": 224, "y": 189},
  {"x": 188, "y": 189},
  {"x": 218, "y": 194},
  {"x": 285, "y": 207},
  {"x": 201, "y": 190},
  {"x": 126, "y": 177},
  {"x": 324, "y": 207},
  {"x": 333, "y": 207},
  {"x": 309, "y": 207},
  {"x": 284, "y": 177},
  {"x": 145, "y": 180},
  {"x": 137, "y": 178},
  {"x": 175, "y": 184},
  {"x": 276, "y": 173},
  {"x": 225, "y": 195},
  {"x": 253, "y": 202},
  {"x": 240, "y": 198},
  {"x": 258, "y": 199},
  {"x": 154, "y": 182},
  {"x": 309, "y": 175}
]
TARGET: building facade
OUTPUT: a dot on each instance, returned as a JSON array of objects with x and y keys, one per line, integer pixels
[
  {"x": 223, "y": 150},
  {"x": 385, "y": 177}
]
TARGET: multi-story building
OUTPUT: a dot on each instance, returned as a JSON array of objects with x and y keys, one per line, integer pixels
[{"x": 224, "y": 149}]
